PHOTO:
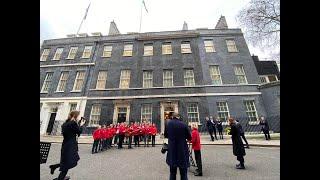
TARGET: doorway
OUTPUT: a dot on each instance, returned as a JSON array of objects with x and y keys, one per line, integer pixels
[
  {"x": 122, "y": 114},
  {"x": 167, "y": 108},
  {"x": 51, "y": 122}
]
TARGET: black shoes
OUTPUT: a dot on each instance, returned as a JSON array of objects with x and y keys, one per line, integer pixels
[
  {"x": 52, "y": 168},
  {"x": 238, "y": 166},
  {"x": 198, "y": 174}
]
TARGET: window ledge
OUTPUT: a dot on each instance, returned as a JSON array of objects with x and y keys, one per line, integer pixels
[
  {"x": 74, "y": 91},
  {"x": 55, "y": 59},
  {"x": 253, "y": 122},
  {"x": 69, "y": 58},
  {"x": 85, "y": 57},
  {"x": 106, "y": 56},
  {"x": 59, "y": 91},
  {"x": 43, "y": 92},
  {"x": 233, "y": 51}
]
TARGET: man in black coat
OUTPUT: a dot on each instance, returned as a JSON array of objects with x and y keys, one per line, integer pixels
[
  {"x": 177, "y": 133},
  {"x": 241, "y": 131},
  {"x": 265, "y": 128},
  {"x": 213, "y": 121},
  {"x": 209, "y": 128},
  {"x": 219, "y": 127},
  {"x": 237, "y": 145}
]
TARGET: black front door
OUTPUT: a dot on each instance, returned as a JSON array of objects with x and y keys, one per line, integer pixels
[
  {"x": 51, "y": 122},
  {"x": 122, "y": 117}
]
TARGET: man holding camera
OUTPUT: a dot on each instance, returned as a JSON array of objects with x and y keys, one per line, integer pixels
[{"x": 177, "y": 133}]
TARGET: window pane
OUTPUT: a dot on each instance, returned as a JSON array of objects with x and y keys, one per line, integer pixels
[
  {"x": 127, "y": 50},
  {"x": 107, "y": 50},
  {"x": 63, "y": 81},
  {"x": 148, "y": 50},
  {"x": 101, "y": 80},
  {"x": 208, "y": 45},
  {"x": 189, "y": 77},
  {"x": 47, "y": 82},
  {"x": 185, "y": 48},
  {"x": 124, "y": 79},
  {"x": 87, "y": 52},
  {"x": 231, "y": 45},
  {"x": 58, "y": 53},
  {"x": 147, "y": 79},
  {"x": 146, "y": 112},
  {"x": 251, "y": 110},
  {"x": 215, "y": 75},
  {"x": 95, "y": 115},
  {"x": 45, "y": 55},
  {"x": 192, "y": 111},
  {"x": 166, "y": 48},
  {"x": 167, "y": 78},
  {"x": 79, "y": 81}
]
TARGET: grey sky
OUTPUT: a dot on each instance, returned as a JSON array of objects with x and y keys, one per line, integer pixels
[{"x": 61, "y": 17}]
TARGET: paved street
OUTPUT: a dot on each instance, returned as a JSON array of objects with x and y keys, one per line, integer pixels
[{"x": 149, "y": 164}]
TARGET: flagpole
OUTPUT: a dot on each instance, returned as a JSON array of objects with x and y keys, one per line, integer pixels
[
  {"x": 80, "y": 26},
  {"x": 85, "y": 16},
  {"x": 140, "y": 18}
]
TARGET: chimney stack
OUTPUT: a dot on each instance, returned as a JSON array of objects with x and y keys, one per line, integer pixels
[
  {"x": 113, "y": 30},
  {"x": 185, "y": 26},
  {"x": 222, "y": 23}
]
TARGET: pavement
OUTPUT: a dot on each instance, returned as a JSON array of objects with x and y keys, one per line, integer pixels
[
  {"x": 253, "y": 140},
  {"x": 148, "y": 163}
]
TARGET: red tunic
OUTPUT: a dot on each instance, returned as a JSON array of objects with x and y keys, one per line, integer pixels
[
  {"x": 154, "y": 130},
  {"x": 122, "y": 130},
  {"x": 195, "y": 139},
  {"x": 96, "y": 134}
]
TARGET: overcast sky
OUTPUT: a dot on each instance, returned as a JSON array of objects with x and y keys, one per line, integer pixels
[{"x": 61, "y": 17}]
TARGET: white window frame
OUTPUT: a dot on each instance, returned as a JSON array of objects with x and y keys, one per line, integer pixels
[
  {"x": 79, "y": 80},
  {"x": 264, "y": 79},
  {"x": 166, "y": 49},
  {"x": 127, "y": 50},
  {"x": 214, "y": 74},
  {"x": 71, "y": 105},
  {"x": 62, "y": 81},
  {"x": 125, "y": 77},
  {"x": 107, "y": 51},
  {"x": 193, "y": 112},
  {"x": 209, "y": 46},
  {"x": 45, "y": 54},
  {"x": 186, "y": 48},
  {"x": 57, "y": 54},
  {"x": 167, "y": 78},
  {"x": 146, "y": 112},
  {"x": 240, "y": 73},
  {"x": 87, "y": 51},
  {"x": 148, "y": 50},
  {"x": 222, "y": 108},
  {"x": 72, "y": 52},
  {"x": 95, "y": 113},
  {"x": 231, "y": 45},
  {"x": 267, "y": 80},
  {"x": 147, "y": 79},
  {"x": 47, "y": 82},
  {"x": 251, "y": 109},
  {"x": 102, "y": 80},
  {"x": 189, "y": 78}
]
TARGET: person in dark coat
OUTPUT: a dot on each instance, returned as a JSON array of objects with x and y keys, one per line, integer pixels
[
  {"x": 237, "y": 145},
  {"x": 209, "y": 127},
  {"x": 213, "y": 121},
  {"x": 177, "y": 133},
  {"x": 69, "y": 150},
  {"x": 265, "y": 128},
  {"x": 239, "y": 126},
  {"x": 220, "y": 128}
]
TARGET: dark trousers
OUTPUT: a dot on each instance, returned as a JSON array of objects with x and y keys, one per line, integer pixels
[
  {"x": 241, "y": 160},
  {"x": 215, "y": 133},
  {"x": 221, "y": 134},
  {"x": 210, "y": 132},
  {"x": 116, "y": 137},
  {"x": 62, "y": 174},
  {"x": 95, "y": 146},
  {"x": 266, "y": 134},
  {"x": 244, "y": 138},
  {"x": 121, "y": 138},
  {"x": 137, "y": 141},
  {"x": 100, "y": 145},
  {"x": 146, "y": 140},
  {"x": 153, "y": 140},
  {"x": 197, "y": 155},
  {"x": 130, "y": 142},
  {"x": 173, "y": 173}
]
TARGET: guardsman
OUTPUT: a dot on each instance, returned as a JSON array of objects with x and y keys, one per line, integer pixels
[
  {"x": 130, "y": 133},
  {"x": 96, "y": 139},
  {"x": 136, "y": 134}
]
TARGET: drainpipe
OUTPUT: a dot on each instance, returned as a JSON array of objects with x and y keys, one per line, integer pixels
[{"x": 88, "y": 79}]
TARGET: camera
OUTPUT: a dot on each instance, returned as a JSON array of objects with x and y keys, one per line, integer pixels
[{"x": 164, "y": 148}]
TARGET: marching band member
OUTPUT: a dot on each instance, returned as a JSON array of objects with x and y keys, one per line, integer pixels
[
  {"x": 130, "y": 131},
  {"x": 113, "y": 132},
  {"x": 122, "y": 131},
  {"x": 144, "y": 133},
  {"x": 154, "y": 132},
  {"x": 96, "y": 139},
  {"x": 116, "y": 137},
  {"x": 136, "y": 130},
  {"x": 108, "y": 137},
  {"x": 148, "y": 133},
  {"x": 102, "y": 137}
]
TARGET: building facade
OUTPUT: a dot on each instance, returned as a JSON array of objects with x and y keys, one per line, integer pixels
[{"x": 147, "y": 76}]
